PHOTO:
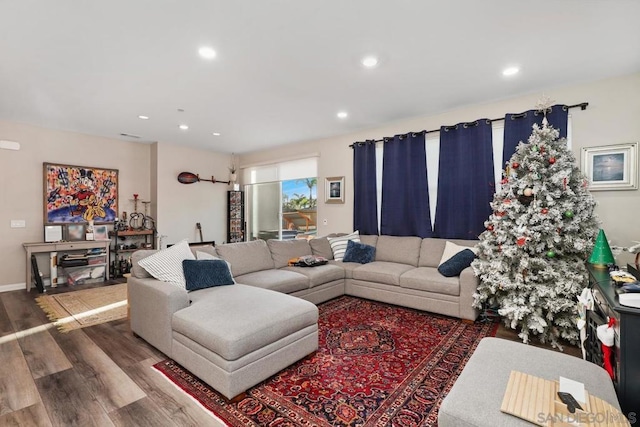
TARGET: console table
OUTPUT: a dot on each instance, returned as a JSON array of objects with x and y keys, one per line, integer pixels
[
  {"x": 626, "y": 355},
  {"x": 42, "y": 247}
]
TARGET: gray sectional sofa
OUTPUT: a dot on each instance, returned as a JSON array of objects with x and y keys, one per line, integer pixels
[{"x": 234, "y": 337}]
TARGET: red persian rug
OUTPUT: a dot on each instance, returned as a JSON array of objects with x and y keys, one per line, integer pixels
[{"x": 377, "y": 365}]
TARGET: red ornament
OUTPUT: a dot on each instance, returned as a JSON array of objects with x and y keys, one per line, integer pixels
[
  {"x": 506, "y": 201},
  {"x": 504, "y": 181},
  {"x": 490, "y": 227},
  {"x": 521, "y": 241},
  {"x": 552, "y": 160},
  {"x": 545, "y": 211},
  {"x": 500, "y": 213},
  {"x": 541, "y": 149},
  {"x": 515, "y": 165}
]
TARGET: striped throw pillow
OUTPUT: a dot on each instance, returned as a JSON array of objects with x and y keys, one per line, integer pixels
[
  {"x": 339, "y": 244},
  {"x": 166, "y": 265}
]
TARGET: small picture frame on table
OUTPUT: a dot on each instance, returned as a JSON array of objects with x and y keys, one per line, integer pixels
[
  {"x": 75, "y": 232},
  {"x": 334, "y": 189},
  {"x": 52, "y": 233},
  {"x": 100, "y": 232}
]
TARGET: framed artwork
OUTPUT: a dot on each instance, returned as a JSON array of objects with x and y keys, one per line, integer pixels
[
  {"x": 100, "y": 232},
  {"x": 74, "y": 194},
  {"x": 611, "y": 167},
  {"x": 334, "y": 189},
  {"x": 75, "y": 232}
]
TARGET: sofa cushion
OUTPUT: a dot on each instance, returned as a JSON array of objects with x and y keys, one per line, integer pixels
[
  {"x": 348, "y": 267},
  {"x": 454, "y": 265},
  {"x": 320, "y": 246},
  {"x": 339, "y": 244},
  {"x": 246, "y": 257},
  {"x": 283, "y": 250},
  {"x": 369, "y": 239},
  {"x": 429, "y": 279},
  {"x": 166, "y": 264},
  {"x": 450, "y": 249},
  {"x": 381, "y": 272},
  {"x": 136, "y": 269},
  {"x": 202, "y": 274},
  {"x": 319, "y": 275},
  {"x": 359, "y": 252},
  {"x": 280, "y": 280},
  {"x": 403, "y": 250},
  {"x": 233, "y": 321},
  {"x": 432, "y": 249}
]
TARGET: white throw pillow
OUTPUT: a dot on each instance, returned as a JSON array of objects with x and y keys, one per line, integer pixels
[
  {"x": 450, "y": 249},
  {"x": 339, "y": 244},
  {"x": 166, "y": 264},
  {"x": 207, "y": 255}
]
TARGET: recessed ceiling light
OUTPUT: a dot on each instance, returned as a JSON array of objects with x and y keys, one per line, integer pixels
[
  {"x": 216, "y": 134},
  {"x": 370, "y": 61},
  {"x": 342, "y": 115},
  {"x": 206, "y": 52},
  {"x": 510, "y": 71},
  {"x": 183, "y": 127},
  {"x": 143, "y": 117}
]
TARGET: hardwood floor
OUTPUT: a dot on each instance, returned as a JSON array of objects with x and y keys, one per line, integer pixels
[{"x": 96, "y": 376}]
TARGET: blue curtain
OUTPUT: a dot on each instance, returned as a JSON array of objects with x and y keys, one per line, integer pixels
[
  {"x": 365, "y": 208},
  {"x": 405, "y": 193},
  {"x": 465, "y": 180},
  {"x": 518, "y": 127}
]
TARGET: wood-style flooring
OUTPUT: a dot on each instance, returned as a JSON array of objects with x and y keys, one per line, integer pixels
[{"x": 96, "y": 376}]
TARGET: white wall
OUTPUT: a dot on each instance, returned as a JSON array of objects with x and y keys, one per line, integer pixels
[
  {"x": 181, "y": 206},
  {"x": 611, "y": 118}
]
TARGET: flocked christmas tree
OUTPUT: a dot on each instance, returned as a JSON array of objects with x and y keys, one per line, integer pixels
[{"x": 531, "y": 258}]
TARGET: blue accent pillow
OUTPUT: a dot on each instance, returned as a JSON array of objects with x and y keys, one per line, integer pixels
[
  {"x": 454, "y": 265},
  {"x": 359, "y": 252},
  {"x": 206, "y": 273}
]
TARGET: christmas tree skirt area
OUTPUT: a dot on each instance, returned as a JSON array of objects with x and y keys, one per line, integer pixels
[
  {"x": 79, "y": 309},
  {"x": 512, "y": 335}
]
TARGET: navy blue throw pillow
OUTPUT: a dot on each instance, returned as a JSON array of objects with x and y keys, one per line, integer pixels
[
  {"x": 454, "y": 265},
  {"x": 206, "y": 273},
  {"x": 359, "y": 252}
]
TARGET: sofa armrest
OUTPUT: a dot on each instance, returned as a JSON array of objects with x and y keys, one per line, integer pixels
[
  {"x": 468, "y": 285},
  {"x": 151, "y": 307}
]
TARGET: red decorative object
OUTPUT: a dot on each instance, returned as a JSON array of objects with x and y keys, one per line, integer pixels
[
  {"x": 504, "y": 181},
  {"x": 552, "y": 160},
  {"x": 490, "y": 227},
  {"x": 542, "y": 149},
  {"x": 506, "y": 201},
  {"x": 515, "y": 165},
  {"x": 376, "y": 365},
  {"x": 500, "y": 214},
  {"x": 521, "y": 241},
  {"x": 544, "y": 211}
]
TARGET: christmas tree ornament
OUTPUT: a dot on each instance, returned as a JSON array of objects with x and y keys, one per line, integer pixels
[
  {"x": 601, "y": 254},
  {"x": 541, "y": 150},
  {"x": 515, "y": 165},
  {"x": 506, "y": 201},
  {"x": 552, "y": 160},
  {"x": 534, "y": 148},
  {"x": 568, "y": 214},
  {"x": 551, "y": 254},
  {"x": 504, "y": 181},
  {"x": 528, "y": 192},
  {"x": 544, "y": 211},
  {"x": 521, "y": 241},
  {"x": 490, "y": 227}
]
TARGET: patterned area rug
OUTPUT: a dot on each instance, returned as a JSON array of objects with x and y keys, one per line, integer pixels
[
  {"x": 377, "y": 365},
  {"x": 79, "y": 309}
]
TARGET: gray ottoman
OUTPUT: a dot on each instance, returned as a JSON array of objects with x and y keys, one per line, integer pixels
[
  {"x": 476, "y": 396},
  {"x": 242, "y": 336}
]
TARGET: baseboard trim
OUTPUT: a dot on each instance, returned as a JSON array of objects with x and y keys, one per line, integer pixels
[{"x": 12, "y": 287}]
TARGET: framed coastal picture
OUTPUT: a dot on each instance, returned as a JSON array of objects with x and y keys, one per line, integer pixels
[
  {"x": 334, "y": 189},
  {"x": 611, "y": 167},
  {"x": 100, "y": 232},
  {"x": 79, "y": 194}
]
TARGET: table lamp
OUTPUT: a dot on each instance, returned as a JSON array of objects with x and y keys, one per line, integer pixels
[{"x": 601, "y": 255}]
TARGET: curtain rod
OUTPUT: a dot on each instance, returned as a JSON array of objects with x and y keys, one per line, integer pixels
[{"x": 582, "y": 106}]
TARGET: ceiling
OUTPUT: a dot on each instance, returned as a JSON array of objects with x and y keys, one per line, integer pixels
[{"x": 285, "y": 68}]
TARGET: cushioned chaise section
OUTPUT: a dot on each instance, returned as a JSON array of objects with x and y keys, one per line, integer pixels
[
  {"x": 238, "y": 320},
  {"x": 382, "y": 272},
  {"x": 320, "y": 274},
  {"x": 477, "y": 394},
  {"x": 429, "y": 279},
  {"x": 276, "y": 280},
  {"x": 321, "y": 293},
  {"x": 431, "y": 249},
  {"x": 152, "y": 303},
  {"x": 246, "y": 257},
  {"x": 404, "y": 250},
  {"x": 283, "y": 250}
]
